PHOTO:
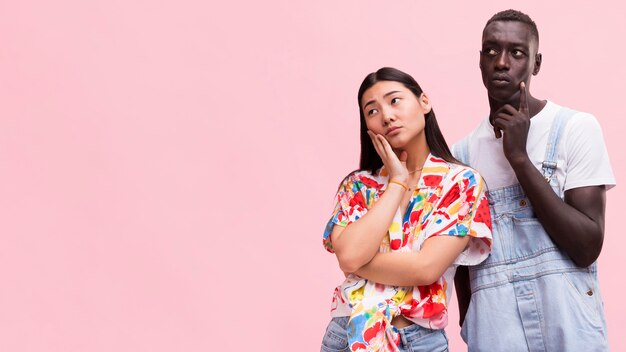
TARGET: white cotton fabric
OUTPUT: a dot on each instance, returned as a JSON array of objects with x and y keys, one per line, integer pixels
[{"x": 582, "y": 158}]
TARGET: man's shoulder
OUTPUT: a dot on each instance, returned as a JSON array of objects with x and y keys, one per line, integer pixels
[
  {"x": 472, "y": 137},
  {"x": 579, "y": 121},
  {"x": 575, "y": 115},
  {"x": 477, "y": 127}
]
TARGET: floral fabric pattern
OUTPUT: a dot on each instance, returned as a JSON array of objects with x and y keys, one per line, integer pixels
[{"x": 449, "y": 201}]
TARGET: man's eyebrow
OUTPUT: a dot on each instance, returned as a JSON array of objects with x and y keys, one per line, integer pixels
[
  {"x": 490, "y": 42},
  {"x": 496, "y": 42},
  {"x": 384, "y": 96}
]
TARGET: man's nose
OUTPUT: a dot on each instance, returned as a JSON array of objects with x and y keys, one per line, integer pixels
[{"x": 502, "y": 60}]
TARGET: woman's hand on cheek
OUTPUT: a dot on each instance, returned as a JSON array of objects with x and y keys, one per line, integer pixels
[{"x": 395, "y": 165}]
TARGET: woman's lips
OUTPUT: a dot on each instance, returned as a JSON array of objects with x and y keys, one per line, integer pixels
[{"x": 393, "y": 131}]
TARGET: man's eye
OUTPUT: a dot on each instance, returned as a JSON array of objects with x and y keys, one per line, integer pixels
[
  {"x": 518, "y": 53},
  {"x": 490, "y": 52}
]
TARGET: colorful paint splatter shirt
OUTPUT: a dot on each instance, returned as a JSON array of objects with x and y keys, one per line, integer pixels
[{"x": 449, "y": 201}]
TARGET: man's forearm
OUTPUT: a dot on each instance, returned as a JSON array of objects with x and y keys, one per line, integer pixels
[
  {"x": 463, "y": 291},
  {"x": 578, "y": 233}
]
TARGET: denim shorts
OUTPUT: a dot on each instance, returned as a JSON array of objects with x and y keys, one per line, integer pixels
[{"x": 414, "y": 338}]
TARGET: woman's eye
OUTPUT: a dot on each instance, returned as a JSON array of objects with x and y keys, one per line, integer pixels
[
  {"x": 371, "y": 112},
  {"x": 395, "y": 100}
]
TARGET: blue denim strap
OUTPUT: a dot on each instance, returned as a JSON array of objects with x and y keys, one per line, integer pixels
[
  {"x": 461, "y": 150},
  {"x": 556, "y": 131}
]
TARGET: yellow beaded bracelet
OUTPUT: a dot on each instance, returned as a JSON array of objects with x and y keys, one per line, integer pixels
[{"x": 406, "y": 188}]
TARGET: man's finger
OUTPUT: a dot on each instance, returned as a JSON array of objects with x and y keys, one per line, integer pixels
[
  {"x": 497, "y": 131},
  {"x": 500, "y": 121},
  {"x": 523, "y": 101}
]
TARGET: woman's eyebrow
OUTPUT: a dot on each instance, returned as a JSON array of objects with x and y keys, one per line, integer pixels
[{"x": 384, "y": 96}]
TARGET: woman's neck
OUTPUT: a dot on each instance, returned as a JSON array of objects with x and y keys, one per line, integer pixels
[{"x": 417, "y": 154}]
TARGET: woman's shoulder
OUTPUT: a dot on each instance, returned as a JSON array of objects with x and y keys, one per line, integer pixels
[
  {"x": 460, "y": 172},
  {"x": 359, "y": 179},
  {"x": 461, "y": 168}
]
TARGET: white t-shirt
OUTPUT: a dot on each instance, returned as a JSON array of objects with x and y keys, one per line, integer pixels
[{"x": 582, "y": 159}]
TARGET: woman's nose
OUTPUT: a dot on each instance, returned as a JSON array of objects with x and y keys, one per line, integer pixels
[{"x": 388, "y": 116}]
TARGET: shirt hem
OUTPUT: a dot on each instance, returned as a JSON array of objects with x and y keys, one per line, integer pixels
[{"x": 608, "y": 182}]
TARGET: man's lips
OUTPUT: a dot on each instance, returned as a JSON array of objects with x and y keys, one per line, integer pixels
[
  {"x": 501, "y": 78},
  {"x": 500, "y": 81}
]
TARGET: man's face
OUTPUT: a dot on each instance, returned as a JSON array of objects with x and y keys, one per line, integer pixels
[{"x": 508, "y": 56}]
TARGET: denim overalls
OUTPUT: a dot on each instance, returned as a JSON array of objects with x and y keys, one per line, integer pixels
[{"x": 529, "y": 295}]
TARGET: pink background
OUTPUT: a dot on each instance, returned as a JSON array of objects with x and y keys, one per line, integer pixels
[{"x": 167, "y": 167}]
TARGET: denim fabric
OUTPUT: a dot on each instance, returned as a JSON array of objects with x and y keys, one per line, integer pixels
[
  {"x": 336, "y": 336},
  {"x": 529, "y": 295},
  {"x": 414, "y": 338}
]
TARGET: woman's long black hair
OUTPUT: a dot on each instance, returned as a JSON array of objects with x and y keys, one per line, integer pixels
[{"x": 438, "y": 147}]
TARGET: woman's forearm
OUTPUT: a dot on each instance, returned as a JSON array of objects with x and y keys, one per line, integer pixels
[
  {"x": 415, "y": 268},
  {"x": 357, "y": 243}
]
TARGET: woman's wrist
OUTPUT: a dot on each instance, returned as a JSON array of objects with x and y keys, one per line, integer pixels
[
  {"x": 399, "y": 176},
  {"x": 398, "y": 183}
]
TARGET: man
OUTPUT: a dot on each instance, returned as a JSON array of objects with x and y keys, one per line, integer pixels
[{"x": 547, "y": 171}]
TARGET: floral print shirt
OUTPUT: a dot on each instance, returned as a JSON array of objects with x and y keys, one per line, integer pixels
[{"x": 449, "y": 201}]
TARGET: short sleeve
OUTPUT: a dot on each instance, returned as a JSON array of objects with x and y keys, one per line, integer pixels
[
  {"x": 463, "y": 210},
  {"x": 352, "y": 201},
  {"x": 586, "y": 154}
]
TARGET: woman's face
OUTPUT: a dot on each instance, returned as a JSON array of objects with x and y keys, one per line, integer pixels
[{"x": 392, "y": 110}]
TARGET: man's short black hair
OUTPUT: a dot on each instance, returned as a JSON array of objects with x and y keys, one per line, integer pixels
[{"x": 516, "y": 16}]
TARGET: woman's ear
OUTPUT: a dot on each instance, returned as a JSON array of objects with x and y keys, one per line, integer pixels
[{"x": 425, "y": 103}]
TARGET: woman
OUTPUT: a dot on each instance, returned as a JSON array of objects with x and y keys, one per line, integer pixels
[{"x": 402, "y": 224}]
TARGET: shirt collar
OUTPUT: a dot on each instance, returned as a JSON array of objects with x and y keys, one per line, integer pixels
[{"x": 434, "y": 170}]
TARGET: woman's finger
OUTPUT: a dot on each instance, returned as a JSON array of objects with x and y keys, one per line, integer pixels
[
  {"x": 403, "y": 157},
  {"x": 388, "y": 150},
  {"x": 377, "y": 145},
  {"x": 392, "y": 157},
  {"x": 395, "y": 164}
]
